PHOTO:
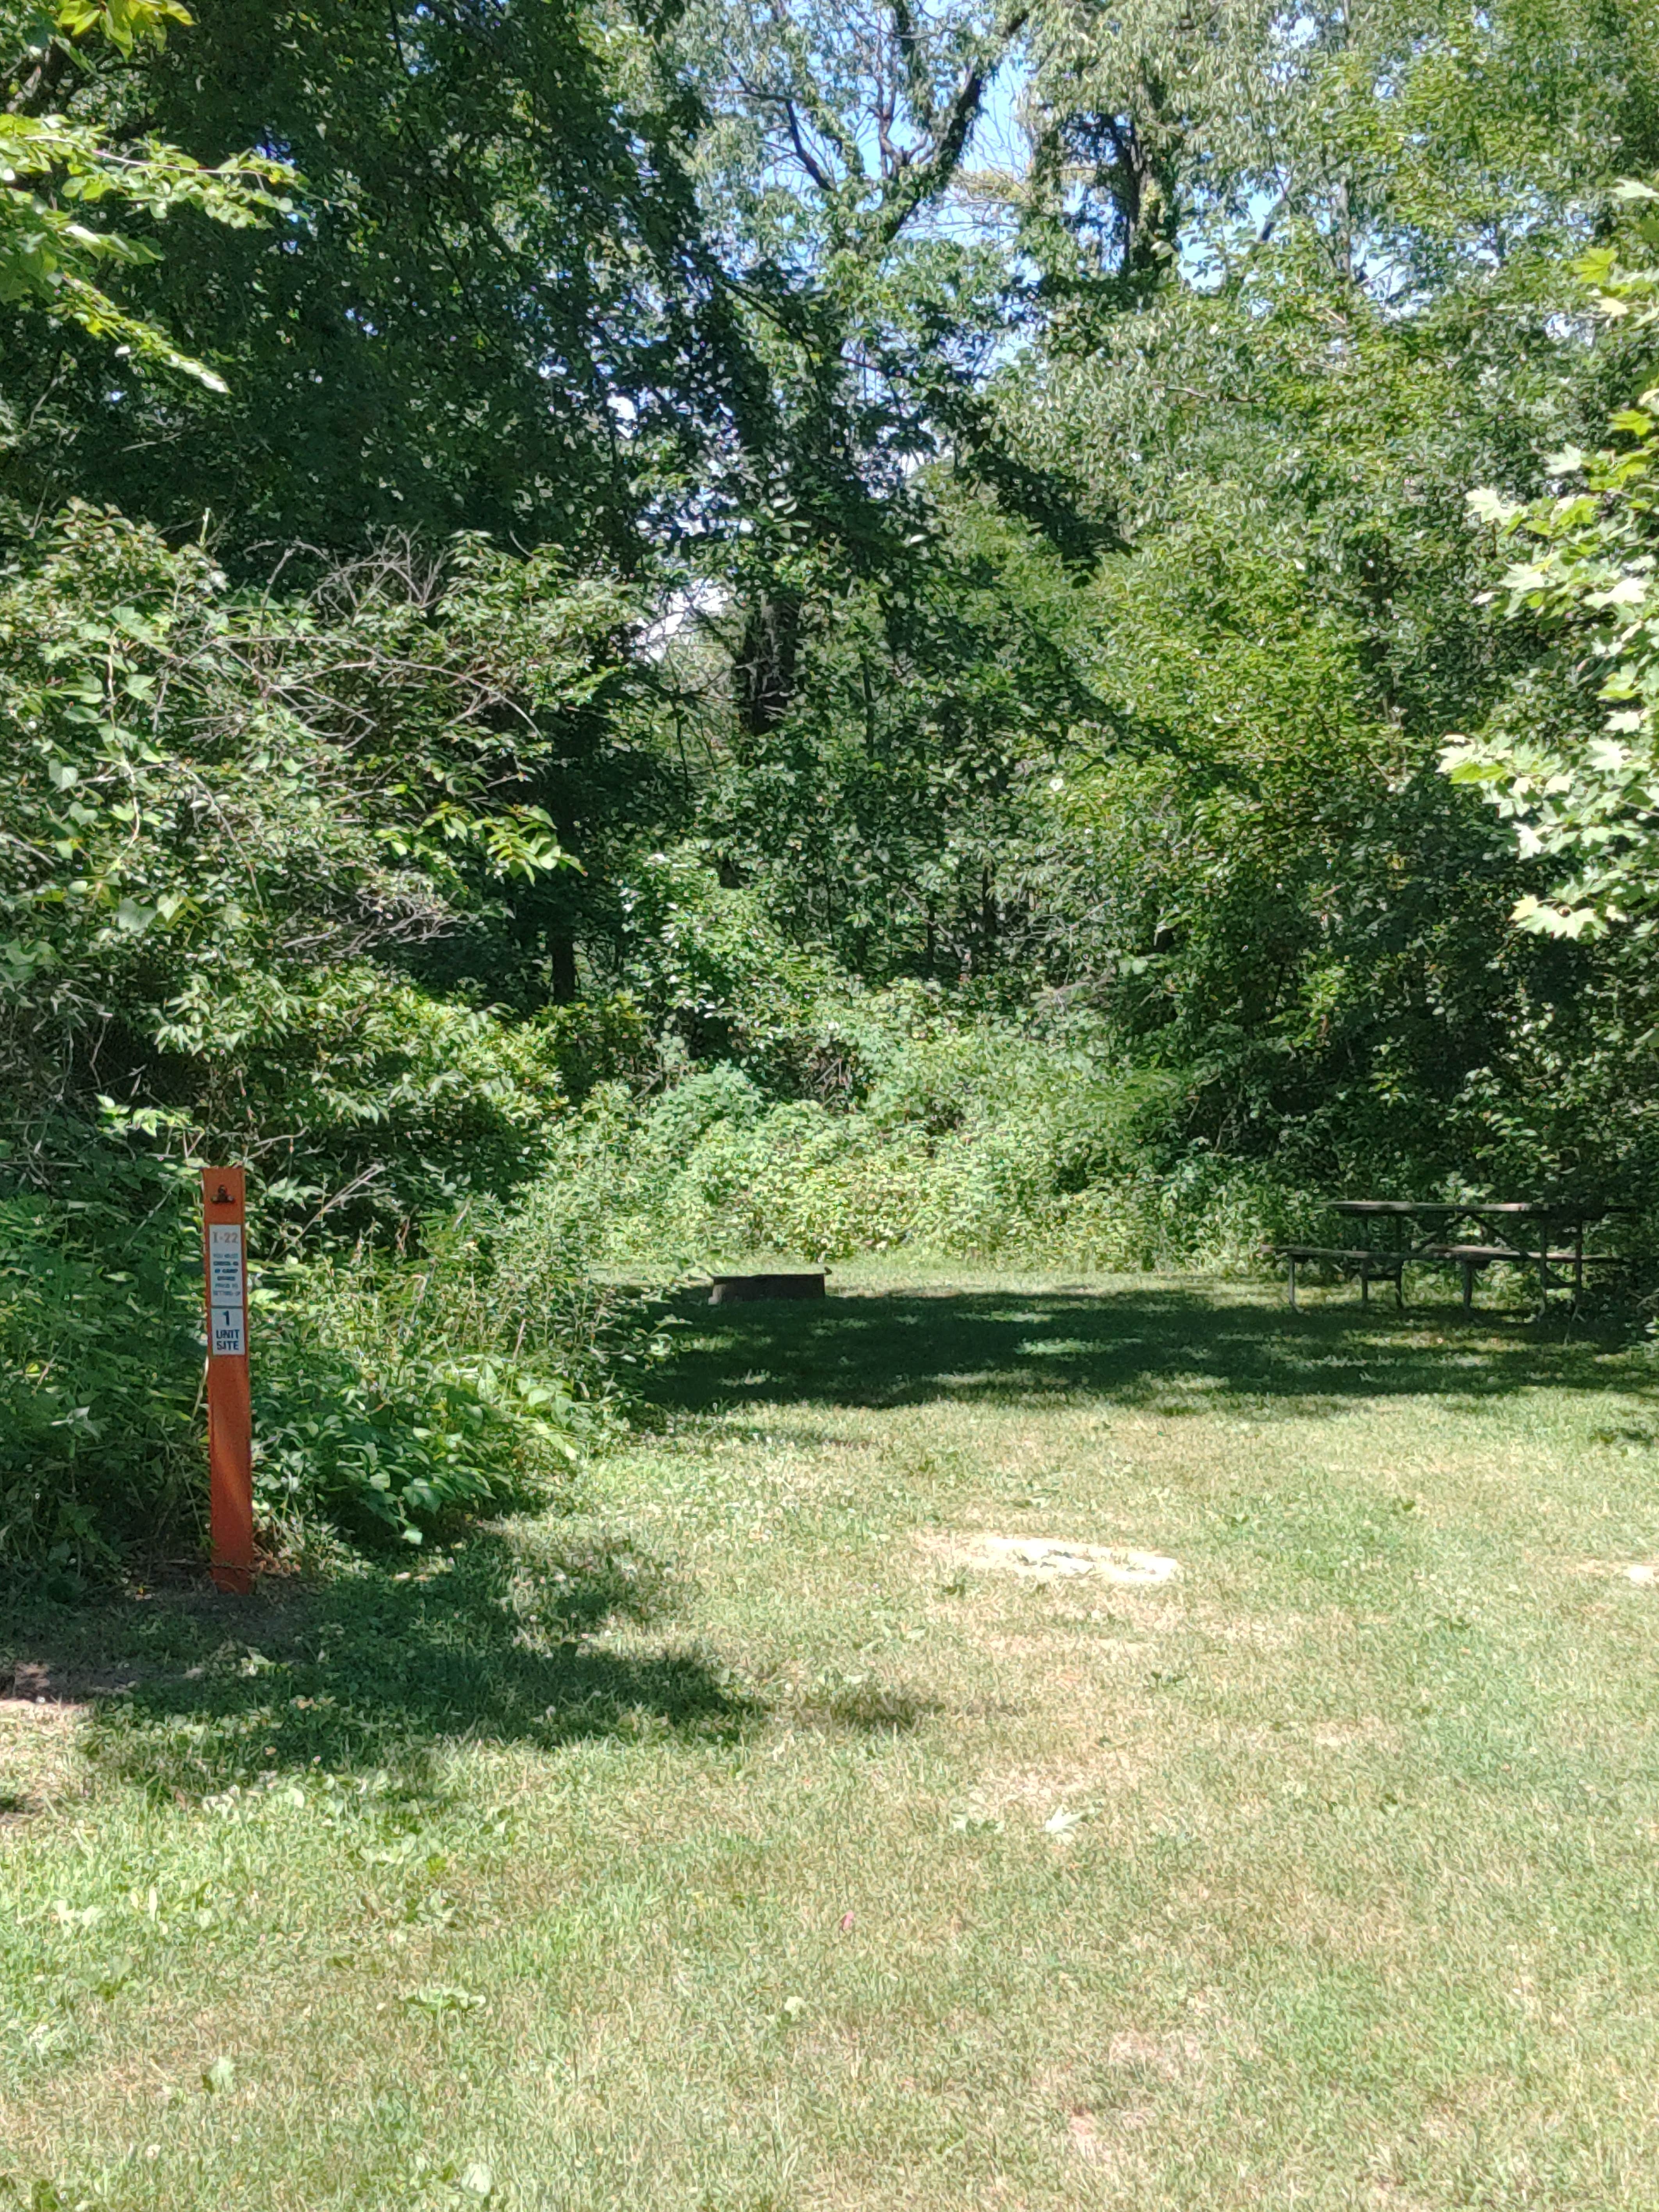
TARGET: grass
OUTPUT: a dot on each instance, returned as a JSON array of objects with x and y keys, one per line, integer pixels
[{"x": 730, "y": 1845}]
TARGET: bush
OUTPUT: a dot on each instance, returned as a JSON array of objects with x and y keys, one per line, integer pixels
[
  {"x": 366, "y": 1418},
  {"x": 413, "y": 1101},
  {"x": 800, "y": 1178},
  {"x": 101, "y": 1335},
  {"x": 975, "y": 1142},
  {"x": 1204, "y": 1211},
  {"x": 395, "y": 1393},
  {"x": 393, "y": 1389}
]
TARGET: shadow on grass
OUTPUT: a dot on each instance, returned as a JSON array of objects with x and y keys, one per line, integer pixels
[
  {"x": 388, "y": 1665},
  {"x": 1169, "y": 1350},
  {"x": 379, "y": 1668}
]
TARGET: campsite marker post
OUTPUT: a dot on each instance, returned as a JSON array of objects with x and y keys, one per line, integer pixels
[{"x": 229, "y": 1406}]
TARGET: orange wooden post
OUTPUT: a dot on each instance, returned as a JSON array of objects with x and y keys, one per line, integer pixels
[{"x": 229, "y": 1406}]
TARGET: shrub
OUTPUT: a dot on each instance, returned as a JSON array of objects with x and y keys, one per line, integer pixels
[
  {"x": 100, "y": 1358},
  {"x": 1203, "y": 1212},
  {"x": 366, "y": 1418},
  {"x": 393, "y": 1389},
  {"x": 798, "y": 1178},
  {"x": 975, "y": 1142}
]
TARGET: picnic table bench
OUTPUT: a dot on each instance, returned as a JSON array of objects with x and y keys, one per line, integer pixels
[
  {"x": 1370, "y": 1266},
  {"x": 1546, "y": 1235}
]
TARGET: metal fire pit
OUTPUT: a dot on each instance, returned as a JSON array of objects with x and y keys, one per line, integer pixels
[{"x": 730, "y": 1289}]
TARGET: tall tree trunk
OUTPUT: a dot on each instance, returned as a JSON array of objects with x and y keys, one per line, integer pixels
[
  {"x": 767, "y": 662},
  {"x": 562, "y": 967}
]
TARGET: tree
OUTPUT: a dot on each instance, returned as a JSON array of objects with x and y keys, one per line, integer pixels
[
  {"x": 836, "y": 139},
  {"x": 1141, "y": 117},
  {"x": 257, "y": 849},
  {"x": 62, "y": 172},
  {"x": 890, "y": 813},
  {"x": 493, "y": 311},
  {"x": 1261, "y": 876},
  {"x": 1570, "y": 754}
]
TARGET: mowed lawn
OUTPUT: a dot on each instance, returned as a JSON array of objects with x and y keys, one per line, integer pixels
[{"x": 744, "y": 1840}]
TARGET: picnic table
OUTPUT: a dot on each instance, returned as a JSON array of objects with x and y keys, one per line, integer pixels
[{"x": 1547, "y": 1235}]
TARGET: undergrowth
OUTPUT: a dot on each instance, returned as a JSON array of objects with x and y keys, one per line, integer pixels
[
  {"x": 974, "y": 1143},
  {"x": 395, "y": 1390}
]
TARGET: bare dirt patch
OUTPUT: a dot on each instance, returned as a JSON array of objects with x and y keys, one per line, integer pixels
[
  {"x": 1038, "y": 1792},
  {"x": 1052, "y": 1558},
  {"x": 1369, "y": 1733},
  {"x": 1087, "y": 2138},
  {"x": 1107, "y": 2142},
  {"x": 1167, "y": 2057}
]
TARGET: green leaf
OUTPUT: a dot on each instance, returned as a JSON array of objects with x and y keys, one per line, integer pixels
[{"x": 1489, "y": 508}]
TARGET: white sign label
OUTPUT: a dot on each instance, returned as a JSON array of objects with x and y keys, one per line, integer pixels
[{"x": 228, "y": 1335}]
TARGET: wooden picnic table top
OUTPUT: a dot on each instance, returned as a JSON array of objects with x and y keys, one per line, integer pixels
[{"x": 1444, "y": 1209}]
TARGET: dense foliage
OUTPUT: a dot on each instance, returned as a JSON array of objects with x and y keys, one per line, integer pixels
[
  {"x": 628, "y": 636},
  {"x": 1583, "y": 784}
]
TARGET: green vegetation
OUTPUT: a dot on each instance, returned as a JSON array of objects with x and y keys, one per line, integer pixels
[
  {"x": 999, "y": 644},
  {"x": 632, "y": 635},
  {"x": 738, "y": 1838},
  {"x": 1581, "y": 784}
]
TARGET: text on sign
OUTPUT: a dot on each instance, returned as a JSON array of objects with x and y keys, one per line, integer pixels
[{"x": 228, "y": 1339}]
